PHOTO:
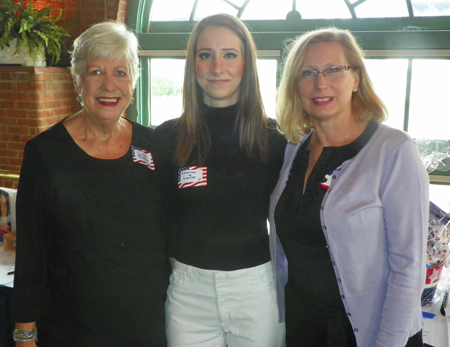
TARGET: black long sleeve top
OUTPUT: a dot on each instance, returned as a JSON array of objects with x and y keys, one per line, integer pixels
[
  {"x": 220, "y": 224},
  {"x": 91, "y": 266}
]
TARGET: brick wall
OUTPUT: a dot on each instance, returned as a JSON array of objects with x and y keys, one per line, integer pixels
[
  {"x": 78, "y": 15},
  {"x": 31, "y": 100},
  {"x": 34, "y": 98}
]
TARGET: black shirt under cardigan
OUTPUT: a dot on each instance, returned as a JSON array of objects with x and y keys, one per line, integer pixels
[{"x": 315, "y": 314}]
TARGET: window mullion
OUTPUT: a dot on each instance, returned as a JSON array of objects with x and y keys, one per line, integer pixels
[
  {"x": 407, "y": 96},
  {"x": 142, "y": 93}
]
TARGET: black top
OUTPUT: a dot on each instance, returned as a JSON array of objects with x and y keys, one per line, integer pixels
[
  {"x": 91, "y": 266},
  {"x": 311, "y": 278},
  {"x": 221, "y": 225}
]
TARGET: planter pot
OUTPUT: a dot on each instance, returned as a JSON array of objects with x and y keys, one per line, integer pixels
[{"x": 7, "y": 56}]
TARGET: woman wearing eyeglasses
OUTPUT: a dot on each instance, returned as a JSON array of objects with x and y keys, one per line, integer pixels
[{"x": 349, "y": 214}]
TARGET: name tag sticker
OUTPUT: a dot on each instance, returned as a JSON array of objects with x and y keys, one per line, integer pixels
[
  {"x": 192, "y": 176},
  {"x": 143, "y": 157}
]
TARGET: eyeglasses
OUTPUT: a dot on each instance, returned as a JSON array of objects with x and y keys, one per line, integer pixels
[{"x": 334, "y": 72}]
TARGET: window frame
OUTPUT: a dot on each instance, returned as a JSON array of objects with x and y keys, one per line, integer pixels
[{"x": 406, "y": 38}]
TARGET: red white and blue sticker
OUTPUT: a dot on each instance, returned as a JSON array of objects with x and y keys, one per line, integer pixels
[
  {"x": 143, "y": 157},
  {"x": 192, "y": 176},
  {"x": 326, "y": 182}
]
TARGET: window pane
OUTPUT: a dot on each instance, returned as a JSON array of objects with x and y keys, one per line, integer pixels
[
  {"x": 166, "y": 82},
  {"x": 238, "y": 3},
  {"x": 428, "y": 116},
  {"x": 431, "y": 7},
  {"x": 267, "y": 73},
  {"x": 440, "y": 196},
  {"x": 267, "y": 9},
  {"x": 171, "y": 10},
  {"x": 207, "y": 8},
  {"x": 389, "y": 80},
  {"x": 382, "y": 9},
  {"x": 166, "y": 88},
  {"x": 323, "y": 9}
]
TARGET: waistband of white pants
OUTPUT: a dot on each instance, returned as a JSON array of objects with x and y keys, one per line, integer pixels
[
  {"x": 262, "y": 269},
  {"x": 257, "y": 278}
]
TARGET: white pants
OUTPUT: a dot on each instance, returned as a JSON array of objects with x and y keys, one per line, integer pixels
[{"x": 207, "y": 308}]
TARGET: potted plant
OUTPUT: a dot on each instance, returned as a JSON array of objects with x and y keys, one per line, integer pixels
[{"x": 24, "y": 28}]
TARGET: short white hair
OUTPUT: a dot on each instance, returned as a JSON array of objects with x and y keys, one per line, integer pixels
[{"x": 110, "y": 40}]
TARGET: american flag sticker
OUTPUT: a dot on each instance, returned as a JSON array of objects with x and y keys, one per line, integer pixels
[
  {"x": 143, "y": 157},
  {"x": 192, "y": 176}
]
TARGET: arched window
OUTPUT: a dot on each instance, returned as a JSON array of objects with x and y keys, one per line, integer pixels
[{"x": 407, "y": 44}]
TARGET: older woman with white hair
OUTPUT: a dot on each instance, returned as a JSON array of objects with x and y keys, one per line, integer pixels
[{"x": 91, "y": 268}]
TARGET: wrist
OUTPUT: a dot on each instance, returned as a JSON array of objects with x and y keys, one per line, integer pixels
[{"x": 22, "y": 335}]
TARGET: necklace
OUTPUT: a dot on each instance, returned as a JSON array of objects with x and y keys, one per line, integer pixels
[
  {"x": 319, "y": 146},
  {"x": 345, "y": 138}
]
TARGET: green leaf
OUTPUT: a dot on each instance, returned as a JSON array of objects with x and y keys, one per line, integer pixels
[{"x": 34, "y": 29}]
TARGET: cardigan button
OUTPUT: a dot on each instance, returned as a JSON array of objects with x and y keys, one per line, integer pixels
[
  {"x": 349, "y": 314},
  {"x": 339, "y": 280},
  {"x": 355, "y": 330},
  {"x": 321, "y": 207},
  {"x": 324, "y": 227},
  {"x": 342, "y": 296},
  {"x": 334, "y": 177}
]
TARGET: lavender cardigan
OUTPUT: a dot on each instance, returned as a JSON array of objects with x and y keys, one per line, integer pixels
[{"x": 375, "y": 220}]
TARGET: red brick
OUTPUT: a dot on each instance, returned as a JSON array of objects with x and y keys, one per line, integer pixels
[
  {"x": 25, "y": 138},
  {"x": 27, "y": 123},
  {"x": 16, "y": 146},
  {"x": 16, "y": 161},
  {"x": 6, "y": 153},
  {"x": 52, "y": 104},
  {"x": 8, "y": 121},
  {"x": 18, "y": 130},
  {"x": 62, "y": 111},
  {"x": 42, "y": 77}
]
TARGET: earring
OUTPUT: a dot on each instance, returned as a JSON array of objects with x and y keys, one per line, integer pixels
[
  {"x": 80, "y": 100},
  {"x": 355, "y": 90},
  {"x": 132, "y": 100}
]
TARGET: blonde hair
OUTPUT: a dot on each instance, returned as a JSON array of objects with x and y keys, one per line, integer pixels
[
  {"x": 251, "y": 120},
  {"x": 110, "y": 40},
  {"x": 292, "y": 118}
]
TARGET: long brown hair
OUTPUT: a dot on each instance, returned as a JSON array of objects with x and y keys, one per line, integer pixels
[{"x": 251, "y": 120}]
